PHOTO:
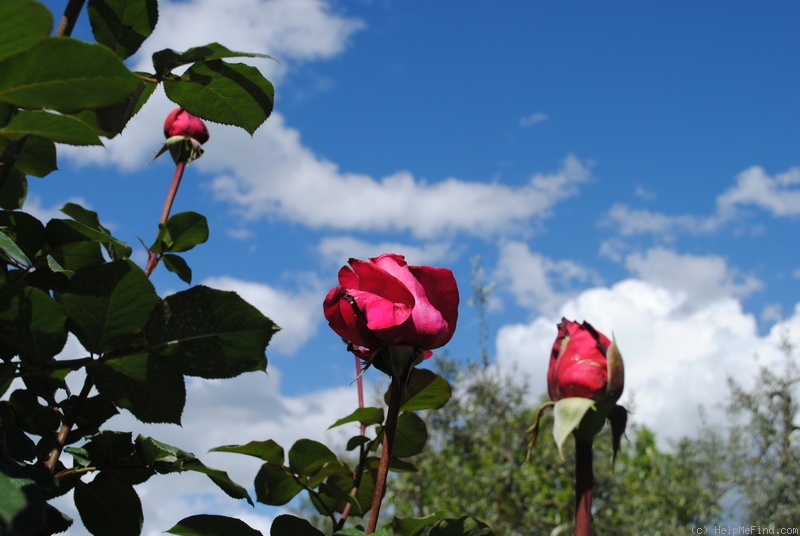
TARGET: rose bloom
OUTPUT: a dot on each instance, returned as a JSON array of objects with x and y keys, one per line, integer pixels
[
  {"x": 384, "y": 302},
  {"x": 579, "y": 366},
  {"x": 179, "y": 122}
]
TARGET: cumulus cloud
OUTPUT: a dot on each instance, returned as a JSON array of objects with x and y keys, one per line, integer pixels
[
  {"x": 703, "y": 278},
  {"x": 298, "y": 314},
  {"x": 676, "y": 358},
  {"x": 629, "y": 221},
  {"x": 778, "y": 195},
  {"x": 336, "y": 250},
  {"x": 538, "y": 282}
]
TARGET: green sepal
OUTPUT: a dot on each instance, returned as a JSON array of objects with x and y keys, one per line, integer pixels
[{"x": 568, "y": 416}]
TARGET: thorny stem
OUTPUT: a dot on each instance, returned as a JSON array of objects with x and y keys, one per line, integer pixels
[
  {"x": 362, "y": 458},
  {"x": 70, "y": 17},
  {"x": 153, "y": 258},
  {"x": 584, "y": 487},
  {"x": 395, "y": 394}
]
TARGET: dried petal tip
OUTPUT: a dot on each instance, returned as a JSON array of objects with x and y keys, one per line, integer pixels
[{"x": 181, "y": 123}]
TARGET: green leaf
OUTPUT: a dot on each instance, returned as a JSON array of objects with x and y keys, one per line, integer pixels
[
  {"x": 410, "y": 435},
  {"x": 109, "y": 121},
  {"x": 365, "y": 416},
  {"x": 413, "y": 526},
  {"x": 182, "y": 232},
  {"x": 25, "y": 230},
  {"x": 227, "y": 93},
  {"x": 65, "y": 75},
  {"x": 209, "y": 333},
  {"x": 76, "y": 255},
  {"x": 113, "y": 453},
  {"x": 166, "y": 60},
  {"x": 123, "y": 25},
  {"x": 306, "y": 456},
  {"x": 108, "y": 305},
  {"x": 275, "y": 486},
  {"x": 177, "y": 265},
  {"x": 22, "y": 24},
  {"x": 213, "y": 525},
  {"x": 54, "y": 127},
  {"x": 13, "y": 191},
  {"x": 32, "y": 324},
  {"x": 425, "y": 390},
  {"x": 568, "y": 413},
  {"x": 13, "y": 499},
  {"x": 109, "y": 507},
  {"x": 38, "y": 156},
  {"x": 11, "y": 251},
  {"x": 87, "y": 225},
  {"x": 463, "y": 526},
  {"x": 144, "y": 385},
  {"x": 220, "y": 478},
  {"x": 269, "y": 450},
  {"x": 288, "y": 525}
]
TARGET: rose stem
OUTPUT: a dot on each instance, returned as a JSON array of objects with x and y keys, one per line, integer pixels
[
  {"x": 584, "y": 486},
  {"x": 361, "y": 456},
  {"x": 153, "y": 258},
  {"x": 386, "y": 453}
]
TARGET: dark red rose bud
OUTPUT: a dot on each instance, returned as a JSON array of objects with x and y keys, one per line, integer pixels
[{"x": 181, "y": 123}]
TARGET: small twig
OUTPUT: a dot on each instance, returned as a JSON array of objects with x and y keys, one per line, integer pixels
[
  {"x": 152, "y": 257},
  {"x": 395, "y": 394},
  {"x": 362, "y": 453},
  {"x": 584, "y": 487},
  {"x": 70, "y": 17},
  {"x": 67, "y": 424}
]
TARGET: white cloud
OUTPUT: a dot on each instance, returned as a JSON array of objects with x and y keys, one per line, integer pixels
[
  {"x": 298, "y": 314},
  {"x": 532, "y": 119},
  {"x": 289, "y": 181},
  {"x": 629, "y": 222},
  {"x": 703, "y": 278},
  {"x": 336, "y": 251},
  {"x": 778, "y": 195},
  {"x": 676, "y": 359},
  {"x": 537, "y": 282}
]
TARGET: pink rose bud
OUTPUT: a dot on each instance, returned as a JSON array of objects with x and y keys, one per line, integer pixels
[
  {"x": 384, "y": 302},
  {"x": 584, "y": 363},
  {"x": 181, "y": 123}
]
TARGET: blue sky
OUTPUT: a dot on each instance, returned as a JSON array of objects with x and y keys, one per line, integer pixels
[{"x": 632, "y": 164}]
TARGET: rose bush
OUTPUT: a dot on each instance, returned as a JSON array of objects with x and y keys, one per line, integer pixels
[
  {"x": 581, "y": 364},
  {"x": 181, "y": 123},
  {"x": 384, "y": 302}
]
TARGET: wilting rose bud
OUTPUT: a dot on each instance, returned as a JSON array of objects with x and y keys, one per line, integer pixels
[
  {"x": 584, "y": 363},
  {"x": 181, "y": 123},
  {"x": 384, "y": 302}
]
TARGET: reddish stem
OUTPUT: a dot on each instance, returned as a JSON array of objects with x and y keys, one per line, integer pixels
[
  {"x": 386, "y": 453},
  {"x": 362, "y": 454},
  {"x": 584, "y": 487},
  {"x": 153, "y": 258}
]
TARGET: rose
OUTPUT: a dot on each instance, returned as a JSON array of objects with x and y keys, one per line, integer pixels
[
  {"x": 584, "y": 363},
  {"x": 181, "y": 123},
  {"x": 384, "y": 302}
]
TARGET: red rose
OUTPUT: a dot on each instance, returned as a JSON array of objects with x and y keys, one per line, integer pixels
[
  {"x": 385, "y": 302},
  {"x": 584, "y": 363},
  {"x": 181, "y": 123}
]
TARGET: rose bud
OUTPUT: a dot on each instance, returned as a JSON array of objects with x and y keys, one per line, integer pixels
[
  {"x": 384, "y": 302},
  {"x": 584, "y": 363},
  {"x": 179, "y": 122}
]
